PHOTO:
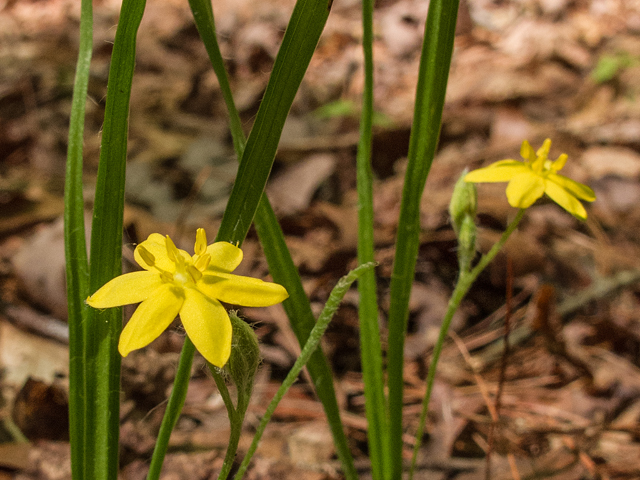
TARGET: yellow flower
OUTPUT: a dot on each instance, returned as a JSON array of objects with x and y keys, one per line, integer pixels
[
  {"x": 538, "y": 175},
  {"x": 174, "y": 282}
]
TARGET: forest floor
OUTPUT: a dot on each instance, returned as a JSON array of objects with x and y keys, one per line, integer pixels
[{"x": 522, "y": 69}]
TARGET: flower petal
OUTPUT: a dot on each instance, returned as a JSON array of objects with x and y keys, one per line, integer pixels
[
  {"x": 524, "y": 189},
  {"x": 501, "y": 171},
  {"x": 565, "y": 199},
  {"x": 225, "y": 257},
  {"x": 155, "y": 245},
  {"x": 239, "y": 290},
  {"x": 208, "y": 326},
  {"x": 574, "y": 188},
  {"x": 151, "y": 318},
  {"x": 128, "y": 288}
]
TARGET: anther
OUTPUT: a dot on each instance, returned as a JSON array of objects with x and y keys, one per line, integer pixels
[
  {"x": 201, "y": 242},
  {"x": 194, "y": 272},
  {"x": 166, "y": 277},
  {"x": 147, "y": 256},
  {"x": 172, "y": 251},
  {"x": 203, "y": 262}
]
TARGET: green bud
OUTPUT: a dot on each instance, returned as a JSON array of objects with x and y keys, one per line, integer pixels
[
  {"x": 466, "y": 243},
  {"x": 245, "y": 357},
  {"x": 464, "y": 202}
]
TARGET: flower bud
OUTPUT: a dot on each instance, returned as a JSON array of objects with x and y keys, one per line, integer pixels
[
  {"x": 463, "y": 207},
  {"x": 466, "y": 243},
  {"x": 464, "y": 202},
  {"x": 245, "y": 356}
]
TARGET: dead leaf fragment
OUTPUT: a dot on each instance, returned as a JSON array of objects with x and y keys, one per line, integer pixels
[
  {"x": 293, "y": 190},
  {"x": 619, "y": 161}
]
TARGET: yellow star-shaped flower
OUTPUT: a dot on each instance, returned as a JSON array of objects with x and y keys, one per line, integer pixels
[
  {"x": 537, "y": 175},
  {"x": 174, "y": 282}
]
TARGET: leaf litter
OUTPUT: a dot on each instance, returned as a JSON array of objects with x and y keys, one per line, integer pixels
[{"x": 570, "y": 401}]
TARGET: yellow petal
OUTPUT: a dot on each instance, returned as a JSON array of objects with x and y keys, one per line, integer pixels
[
  {"x": 151, "y": 318},
  {"x": 239, "y": 290},
  {"x": 155, "y": 245},
  {"x": 567, "y": 201},
  {"x": 574, "y": 188},
  {"x": 208, "y": 326},
  {"x": 501, "y": 171},
  {"x": 125, "y": 289},
  {"x": 225, "y": 257},
  {"x": 524, "y": 189}
]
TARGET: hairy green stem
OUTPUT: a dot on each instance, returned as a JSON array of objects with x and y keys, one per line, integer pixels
[
  {"x": 324, "y": 319},
  {"x": 465, "y": 281},
  {"x": 174, "y": 407}
]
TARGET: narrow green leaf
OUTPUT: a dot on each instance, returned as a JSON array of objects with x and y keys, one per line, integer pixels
[
  {"x": 278, "y": 256},
  {"x": 299, "y": 42},
  {"x": 432, "y": 83},
  {"x": 370, "y": 347},
  {"x": 77, "y": 266},
  {"x": 103, "y": 327},
  {"x": 203, "y": 17}
]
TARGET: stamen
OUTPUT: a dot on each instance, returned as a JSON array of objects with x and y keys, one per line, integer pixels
[
  {"x": 147, "y": 256},
  {"x": 166, "y": 277},
  {"x": 194, "y": 272},
  {"x": 543, "y": 151},
  {"x": 172, "y": 251},
  {"x": 203, "y": 262},
  {"x": 201, "y": 242}
]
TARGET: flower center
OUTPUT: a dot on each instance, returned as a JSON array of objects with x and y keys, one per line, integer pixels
[
  {"x": 187, "y": 271},
  {"x": 542, "y": 166},
  {"x": 182, "y": 278}
]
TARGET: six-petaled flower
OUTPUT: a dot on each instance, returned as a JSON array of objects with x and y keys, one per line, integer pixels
[
  {"x": 536, "y": 176},
  {"x": 174, "y": 282}
]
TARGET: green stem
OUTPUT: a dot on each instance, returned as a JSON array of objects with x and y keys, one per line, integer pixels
[
  {"x": 315, "y": 336},
  {"x": 222, "y": 389},
  {"x": 174, "y": 407},
  {"x": 298, "y": 309},
  {"x": 235, "y": 424},
  {"x": 463, "y": 285}
]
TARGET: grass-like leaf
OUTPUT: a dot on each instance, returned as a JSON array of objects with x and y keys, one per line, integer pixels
[
  {"x": 298, "y": 44},
  {"x": 278, "y": 256},
  {"x": 77, "y": 265},
  {"x": 435, "y": 61},
  {"x": 370, "y": 347},
  {"x": 102, "y": 359}
]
